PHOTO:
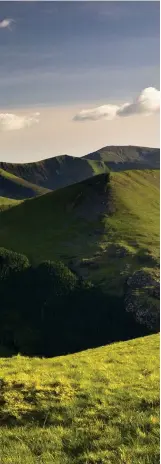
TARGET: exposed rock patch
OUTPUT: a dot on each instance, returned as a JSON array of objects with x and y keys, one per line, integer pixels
[
  {"x": 142, "y": 296},
  {"x": 141, "y": 279}
]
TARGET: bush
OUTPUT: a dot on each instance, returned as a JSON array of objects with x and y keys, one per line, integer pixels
[
  {"x": 49, "y": 311},
  {"x": 55, "y": 277},
  {"x": 11, "y": 263}
]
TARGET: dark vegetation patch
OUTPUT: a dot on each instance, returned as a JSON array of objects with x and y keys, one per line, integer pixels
[{"x": 48, "y": 310}]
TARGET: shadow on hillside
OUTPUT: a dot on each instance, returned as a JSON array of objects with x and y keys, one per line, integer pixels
[
  {"x": 5, "y": 352},
  {"x": 73, "y": 345}
]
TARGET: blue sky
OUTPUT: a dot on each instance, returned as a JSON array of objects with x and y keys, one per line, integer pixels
[
  {"x": 68, "y": 52},
  {"x": 77, "y": 76}
]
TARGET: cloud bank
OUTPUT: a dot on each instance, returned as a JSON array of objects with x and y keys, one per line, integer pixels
[
  {"x": 6, "y": 23},
  {"x": 11, "y": 122},
  {"x": 147, "y": 103}
]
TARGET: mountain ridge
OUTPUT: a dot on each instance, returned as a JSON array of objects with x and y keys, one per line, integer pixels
[
  {"x": 57, "y": 172},
  {"x": 127, "y": 157}
]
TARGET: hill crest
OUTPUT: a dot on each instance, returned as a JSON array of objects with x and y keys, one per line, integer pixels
[{"x": 30, "y": 179}]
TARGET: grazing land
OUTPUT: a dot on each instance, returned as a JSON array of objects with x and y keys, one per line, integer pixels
[{"x": 97, "y": 406}]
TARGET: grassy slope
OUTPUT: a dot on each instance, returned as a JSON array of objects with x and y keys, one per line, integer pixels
[
  {"x": 49, "y": 227},
  {"x": 96, "y": 407},
  {"x": 50, "y": 174},
  {"x": 15, "y": 187},
  {"x": 6, "y": 203},
  {"x": 29, "y": 179},
  {"x": 135, "y": 223}
]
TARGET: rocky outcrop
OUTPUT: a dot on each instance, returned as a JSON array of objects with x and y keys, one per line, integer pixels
[
  {"x": 141, "y": 279},
  {"x": 142, "y": 295}
]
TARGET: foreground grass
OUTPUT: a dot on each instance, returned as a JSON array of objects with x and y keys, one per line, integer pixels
[{"x": 95, "y": 407}]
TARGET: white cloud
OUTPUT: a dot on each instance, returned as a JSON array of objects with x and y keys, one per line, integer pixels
[
  {"x": 101, "y": 112},
  {"x": 147, "y": 103},
  {"x": 6, "y": 23},
  {"x": 11, "y": 122}
]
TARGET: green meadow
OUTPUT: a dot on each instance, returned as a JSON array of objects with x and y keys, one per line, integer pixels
[{"x": 95, "y": 407}]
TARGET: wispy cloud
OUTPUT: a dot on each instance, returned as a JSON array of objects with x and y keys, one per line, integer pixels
[
  {"x": 11, "y": 122},
  {"x": 101, "y": 112},
  {"x": 6, "y": 23},
  {"x": 147, "y": 103}
]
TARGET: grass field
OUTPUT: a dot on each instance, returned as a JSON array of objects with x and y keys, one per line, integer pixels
[
  {"x": 95, "y": 407},
  {"x": 67, "y": 224}
]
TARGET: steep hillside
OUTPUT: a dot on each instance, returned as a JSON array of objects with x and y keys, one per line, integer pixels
[
  {"x": 30, "y": 179},
  {"x": 107, "y": 231},
  {"x": 127, "y": 157},
  {"x": 15, "y": 187},
  {"x": 98, "y": 406},
  {"x": 84, "y": 219}
]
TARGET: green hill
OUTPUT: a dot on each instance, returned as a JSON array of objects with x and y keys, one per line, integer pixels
[
  {"x": 98, "y": 406},
  {"x": 104, "y": 230},
  {"x": 31, "y": 179},
  {"x": 85, "y": 219}
]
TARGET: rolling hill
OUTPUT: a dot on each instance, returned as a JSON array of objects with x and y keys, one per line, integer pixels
[
  {"x": 86, "y": 218},
  {"x": 105, "y": 229},
  {"x": 22, "y": 181},
  {"x": 98, "y": 406}
]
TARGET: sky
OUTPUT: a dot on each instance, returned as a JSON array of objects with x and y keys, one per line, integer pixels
[{"x": 77, "y": 76}]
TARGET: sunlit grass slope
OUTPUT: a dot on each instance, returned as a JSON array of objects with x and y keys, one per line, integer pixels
[
  {"x": 6, "y": 203},
  {"x": 15, "y": 187},
  {"x": 82, "y": 221},
  {"x": 99, "y": 406}
]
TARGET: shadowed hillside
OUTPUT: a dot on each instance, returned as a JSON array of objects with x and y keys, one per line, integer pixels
[
  {"x": 21, "y": 181},
  {"x": 30, "y": 179},
  {"x": 127, "y": 157},
  {"x": 15, "y": 187}
]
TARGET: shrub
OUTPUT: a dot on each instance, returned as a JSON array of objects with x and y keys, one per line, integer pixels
[{"x": 11, "y": 263}]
